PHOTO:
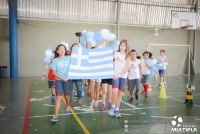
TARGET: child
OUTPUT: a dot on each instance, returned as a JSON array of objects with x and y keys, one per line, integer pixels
[
  {"x": 60, "y": 70},
  {"x": 51, "y": 82},
  {"x": 121, "y": 66},
  {"x": 78, "y": 82},
  {"x": 107, "y": 88},
  {"x": 162, "y": 65},
  {"x": 94, "y": 95},
  {"x": 154, "y": 69},
  {"x": 134, "y": 75},
  {"x": 145, "y": 71}
]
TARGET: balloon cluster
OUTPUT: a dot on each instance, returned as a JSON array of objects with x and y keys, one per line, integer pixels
[
  {"x": 99, "y": 39},
  {"x": 48, "y": 55}
]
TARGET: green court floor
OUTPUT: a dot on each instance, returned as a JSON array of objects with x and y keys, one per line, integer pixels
[{"x": 147, "y": 115}]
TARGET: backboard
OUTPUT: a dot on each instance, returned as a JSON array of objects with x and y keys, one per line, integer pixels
[{"x": 184, "y": 20}]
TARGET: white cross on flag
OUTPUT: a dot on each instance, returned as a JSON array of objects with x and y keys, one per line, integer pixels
[{"x": 91, "y": 63}]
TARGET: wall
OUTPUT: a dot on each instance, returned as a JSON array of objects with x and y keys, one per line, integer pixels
[
  {"x": 197, "y": 54},
  {"x": 36, "y": 36}
]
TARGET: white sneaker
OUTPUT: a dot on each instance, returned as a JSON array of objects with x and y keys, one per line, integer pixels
[{"x": 111, "y": 111}]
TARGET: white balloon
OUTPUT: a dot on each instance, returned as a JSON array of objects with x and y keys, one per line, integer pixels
[
  {"x": 48, "y": 53},
  {"x": 110, "y": 37},
  {"x": 104, "y": 33}
]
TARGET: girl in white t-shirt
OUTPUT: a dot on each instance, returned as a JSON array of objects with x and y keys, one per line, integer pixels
[
  {"x": 134, "y": 75},
  {"x": 145, "y": 71},
  {"x": 121, "y": 66}
]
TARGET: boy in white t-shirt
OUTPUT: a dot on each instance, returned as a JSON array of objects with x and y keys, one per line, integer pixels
[
  {"x": 134, "y": 75},
  {"x": 145, "y": 72},
  {"x": 162, "y": 65}
]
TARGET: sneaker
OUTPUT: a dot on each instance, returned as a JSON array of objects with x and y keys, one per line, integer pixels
[
  {"x": 131, "y": 99},
  {"x": 67, "y": 110},
  {"x": 109, "y": 105},
  {"x": 103, "y": 107},
  {"x": 117, "y": 114},
  {"x": 111, "y": 111},
  {"x": 54, "y": 119},
  {"x": 92, "y": 104},
  {"x": 136, "y": 97},
  {"x": 96, "y": 104}
]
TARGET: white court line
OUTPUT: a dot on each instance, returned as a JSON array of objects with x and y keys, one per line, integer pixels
[
  {"x": 125, "y": 114},
  {"x": 183, "y": 101},
  {"x": 129, "y": 105},
  {"x": 161, "y": 117},
  {"x": 39, "y": 91},
  {"x": 38, "y": 116},
  {"x": 48, "y": 105}
]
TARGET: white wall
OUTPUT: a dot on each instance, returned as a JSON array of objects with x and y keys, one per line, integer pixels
[
  {"x": 35, "y": 37},
  {"x": 197, "y": 53}
]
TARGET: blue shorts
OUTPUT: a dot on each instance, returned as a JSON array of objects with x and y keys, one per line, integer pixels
[
  {"x": 119, "y": 83},
  {"x": 134, "y": 83},
  {"x": 144, "y": 78},
  {"x": 62, "y": 88},
  {"x": 51, "y": 84},
  {"x": 161, "y": 73},
  {"x": 106, "y": 81}
]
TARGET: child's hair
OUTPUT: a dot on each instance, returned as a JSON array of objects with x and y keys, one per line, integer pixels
[
  {"x": 150, "y": 55},
  {"x": 56, "y": 54},
  {"x": 145, "y": 52},
  {"x": 162, "y": 50},
  {"x": 74, "y": 45},
  {"x": 128, "y": 52},
  {"x": 133, "y": 50}
]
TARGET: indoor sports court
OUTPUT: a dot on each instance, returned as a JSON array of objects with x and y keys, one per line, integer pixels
[{"x": 56, "y": 56}]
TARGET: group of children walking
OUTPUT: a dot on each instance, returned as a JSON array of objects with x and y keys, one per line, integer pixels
[{"x": 129, "y": 70}]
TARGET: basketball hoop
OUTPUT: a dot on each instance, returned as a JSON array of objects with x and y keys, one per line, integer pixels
[{"x": 186, "y": 26}]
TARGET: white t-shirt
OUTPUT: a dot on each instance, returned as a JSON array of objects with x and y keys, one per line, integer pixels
[
  {"x": 119, "y": 64},
  {"x": 144, "y": 69},
  {"x": 162, "y": 64},
  {"x": 134, "y": 70}
]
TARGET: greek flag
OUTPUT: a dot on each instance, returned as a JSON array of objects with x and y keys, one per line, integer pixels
[{"x": 91, "y": 63}]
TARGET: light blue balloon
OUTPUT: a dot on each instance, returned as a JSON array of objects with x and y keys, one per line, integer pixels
[
  {"x": 53, "y": 55},
  {"x": 46, "y": 60},
  {"x": 93, "y": 44},
  {"x": 49, "y": 48},
  {"x": 83, "y": 42},
  {"x": 85, "y": 34},
  {"x": 98, "y": 38}
]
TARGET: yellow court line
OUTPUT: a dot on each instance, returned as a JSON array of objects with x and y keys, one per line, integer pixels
[{"x": 85, "y": 130}]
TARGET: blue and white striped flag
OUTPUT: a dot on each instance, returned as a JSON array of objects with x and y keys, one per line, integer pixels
[{"x": 91, "y": 63}]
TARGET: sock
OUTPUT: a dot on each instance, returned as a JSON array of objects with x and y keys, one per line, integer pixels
[
  {"x": 113, "y": 106},
  {"x": 117, "y": 109}
]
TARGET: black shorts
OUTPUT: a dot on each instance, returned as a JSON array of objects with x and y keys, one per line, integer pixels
[
  {"x": 106, "y": 81},
  {"x": 51, "y": 84}
]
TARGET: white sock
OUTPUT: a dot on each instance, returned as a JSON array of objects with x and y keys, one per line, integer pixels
[
  {"x": 117, "y": 109},
  {"x": 113, "y": 106}
]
